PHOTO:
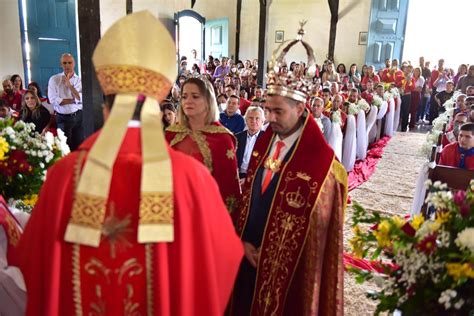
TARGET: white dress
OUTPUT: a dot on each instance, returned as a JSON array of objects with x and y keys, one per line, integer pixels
[
  {"x": 349, "y": 144},
  {"x": 370, "y": 124},
  {"x": 389, "y": 118},
  {"x": 335, "y": 139},
  {"x": 362, "y": 136}
]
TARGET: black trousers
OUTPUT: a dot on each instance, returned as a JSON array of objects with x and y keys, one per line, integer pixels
[
  {"x": 405, "y": 111},
  {"x": 71, "y": 125}
]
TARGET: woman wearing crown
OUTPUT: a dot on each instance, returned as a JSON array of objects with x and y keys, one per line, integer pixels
[{"x": 200, "y": 135}]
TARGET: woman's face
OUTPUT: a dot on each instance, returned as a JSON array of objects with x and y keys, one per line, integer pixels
[
  {"x": 330, "y": 67},
  {"x": 192, "y": 101},
  {"x": 354, "y": 68},
  {"x": 17, "y": 82},
  {"x": 30, "y": 101},
  {"x": 170, "y": 116},
  {"x": 33, "y": 88}
]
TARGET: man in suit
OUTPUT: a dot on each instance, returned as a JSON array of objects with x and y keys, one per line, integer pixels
[
  {"x": 254, "y": 118},
  {"x": 317, "y": 108}
]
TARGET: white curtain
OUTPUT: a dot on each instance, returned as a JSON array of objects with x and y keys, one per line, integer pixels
[
  {"x": 370, "y": 124},
  {"x": 389, "y": 118},
  {"x": 362, "y": 137},
  {"x": 396, "y": 118},
  {"x": 335, "y": 139},
  {"x": 349, "y": 144}
]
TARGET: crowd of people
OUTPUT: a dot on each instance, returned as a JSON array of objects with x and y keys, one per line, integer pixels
[{"x": 275, "y": 155}]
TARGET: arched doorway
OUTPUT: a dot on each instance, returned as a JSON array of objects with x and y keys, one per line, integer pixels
[{"x": 190, "y": 34}]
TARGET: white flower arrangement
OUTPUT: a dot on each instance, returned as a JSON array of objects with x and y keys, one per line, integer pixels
[
  {"x": 377, "y": 101},
  {"x": 336, "y": 117},
  {"x": 465, "y": 239},
  {"x": 387, "y": 96},
  {"x": 394, "y": 91},
  {"x": 353, "y": 109},
  {"x": 363, "y": 105}
]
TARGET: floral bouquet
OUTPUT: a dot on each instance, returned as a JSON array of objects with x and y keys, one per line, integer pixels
[
  {"x": 363, "y": 105},
  {"x": 377, "y": 101},
  {"x": 428, "y": 264},
  {"x": 24, "y": 158},
  {"x": 353, "y": 109},
  {"x": 336, "y": 117},
  {"x": 438, "y": 124}
]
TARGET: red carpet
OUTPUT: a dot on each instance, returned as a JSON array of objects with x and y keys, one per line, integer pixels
[{"x": 363, "y": 169}]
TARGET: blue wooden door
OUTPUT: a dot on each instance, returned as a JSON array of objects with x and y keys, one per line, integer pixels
[
  {"x": 386, "y": 31},
  {"x": 51, "y": 28},
  {"x": 217, "y": 38}
]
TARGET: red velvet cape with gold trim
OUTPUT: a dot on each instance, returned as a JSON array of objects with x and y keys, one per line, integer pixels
[
  {"x": 12, "y": 229},
  {"x": 193, "y": 275},
  {"x": 215, "y": 147},
  {"x": 300, "y": 270}
]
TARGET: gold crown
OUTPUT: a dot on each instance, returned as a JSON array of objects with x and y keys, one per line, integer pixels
[
  {"x": 124, "y": 65},
  {"x": 288, "y": 84},
  {"x": 295, "y": 199}
]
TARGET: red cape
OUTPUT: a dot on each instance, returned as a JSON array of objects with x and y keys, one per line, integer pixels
[{"x": 191, "y": 276}]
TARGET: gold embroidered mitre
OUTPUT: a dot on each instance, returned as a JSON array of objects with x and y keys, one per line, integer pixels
[
  {"x": 136, "y": 56},
  {"x": 292, "y": 85}
]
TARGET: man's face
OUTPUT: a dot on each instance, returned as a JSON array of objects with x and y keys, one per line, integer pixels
[
  {"x": 229, "y": 91},
  {"x": 353, "y": 96},
  {"x": 221, "y": 100},
  {"x": 387, "y": 63},
  {"x": 317, "y": 108},
  {"x": 337, "y": 103},
  {"x": 283, "y": 114},
  {"x": 326, "y": 96},
  {"x": 461, "y": 102},
  {"x": 7, "y": 86},
  {"x": 471, "y": 71},
  {"x": 254, "y": 121},
  {"x": 3, "y": 111},
  {"x": 458, "y": 121},
  {"x": 422, "y": 61},
  {"x": 449, "y": 87},
  {"x": 394, "y": 63},
  {"x": 379, "y": 91},
  {"x": 470, "y": 91},
  {"x": 232, "y": 106},
  {"x": 67, "y": 63},
  {"x": 466, "y": 139},
  {"x": 370, "y": 86},
  {"x": 440, "y": 63}
]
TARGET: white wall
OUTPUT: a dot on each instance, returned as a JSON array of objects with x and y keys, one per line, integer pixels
[
  {"x": 110, "y": 11},
  {"x": 11, "y": 59},
  {"x": 285, "y": 15}
]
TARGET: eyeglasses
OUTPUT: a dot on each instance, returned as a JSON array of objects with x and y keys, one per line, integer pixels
[{"x": 67, "y": 62}]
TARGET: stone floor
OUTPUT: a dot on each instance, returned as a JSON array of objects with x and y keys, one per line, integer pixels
[{"x": 389, "y": 190}]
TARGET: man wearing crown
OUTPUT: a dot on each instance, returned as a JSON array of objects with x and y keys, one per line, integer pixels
[
  {"x": 291, "y": 214},
  {"x": 111, "y": 234}
]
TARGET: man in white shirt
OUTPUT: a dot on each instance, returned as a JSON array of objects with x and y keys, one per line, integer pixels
[
  {"x": 324, "y": 123},
  {"x": 65, "y": 95},
  {"x": 254, "y": 118}
]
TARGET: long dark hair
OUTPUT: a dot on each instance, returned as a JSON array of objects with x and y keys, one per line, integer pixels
[
  {"x": 25, "y": 111},
  {"x": 167, "y": 105},
  {"x": 36, "y": 85},
  {"x": 13, "y": 78}
]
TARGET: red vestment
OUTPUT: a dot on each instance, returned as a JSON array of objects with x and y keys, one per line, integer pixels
[
  {"x": 300, "y": 264},
  {"x": 244, "y": 105},
  {"x": 451, "y": 157},
  {"x": 12, "y": 230},
  {"x": 215, "y": 147},
  {"x": 191, "y": 276}
]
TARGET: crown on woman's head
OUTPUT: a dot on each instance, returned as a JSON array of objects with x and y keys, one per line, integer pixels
[{"x": 295, "y": 86}]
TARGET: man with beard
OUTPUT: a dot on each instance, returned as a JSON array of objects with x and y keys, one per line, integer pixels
[
  {"x": 10, "y": 97},
  {"x": 291, "y": 214}
]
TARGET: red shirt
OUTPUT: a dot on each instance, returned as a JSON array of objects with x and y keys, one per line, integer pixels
[
  {"x": 244, "y": 104},
  {"x": 375, "y": 79},
  {"x": 451, "y": 157},
  {"x": 13, "y": 101},
  {"x": 367, "y": 96}
]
